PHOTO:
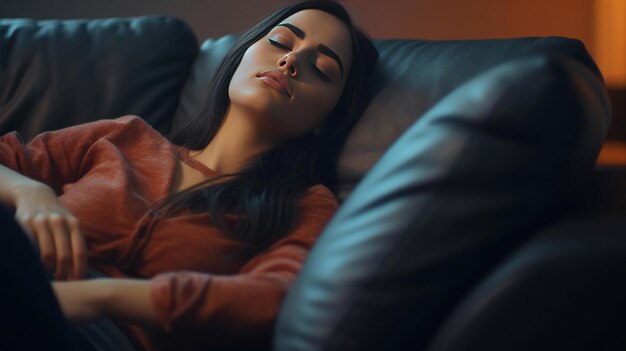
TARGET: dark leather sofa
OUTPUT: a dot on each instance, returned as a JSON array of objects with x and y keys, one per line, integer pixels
[{"x": 474, "y": 218}]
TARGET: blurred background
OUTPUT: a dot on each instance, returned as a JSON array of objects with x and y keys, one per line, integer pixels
[{"x": 599, "y": 24}]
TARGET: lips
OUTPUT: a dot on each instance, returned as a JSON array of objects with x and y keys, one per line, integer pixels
[{"x": 278, "y": 81}]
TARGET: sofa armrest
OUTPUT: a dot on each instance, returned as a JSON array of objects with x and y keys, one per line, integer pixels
[{"x": 562, "y": 290}]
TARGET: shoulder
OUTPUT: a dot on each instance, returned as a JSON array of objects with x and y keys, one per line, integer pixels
[
  {"x": 118, "y": 122},
  {"x": 128, "y": 121},
  {"x": 88, "y": 133},
  {"x": 133, "y": 123},
  {"x": 101, "y": 127},
  {"x": 129, "y": 128}
]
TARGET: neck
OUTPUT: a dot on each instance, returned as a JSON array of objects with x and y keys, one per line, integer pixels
[{"x": 236, "y": 143}]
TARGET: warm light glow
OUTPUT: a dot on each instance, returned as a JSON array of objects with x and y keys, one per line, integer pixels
[
  {"x": 613, "y": 153},
  {"x": 610, "y": 40}
]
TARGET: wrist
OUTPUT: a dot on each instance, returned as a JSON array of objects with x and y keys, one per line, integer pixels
[
  {"x": 104, "y": 295},
  {"x": 126, "y": 299},
  {"x": 13, "y": 184},
  {"x": 83, "y": 300},
  {"x": 25, "y": 189}
]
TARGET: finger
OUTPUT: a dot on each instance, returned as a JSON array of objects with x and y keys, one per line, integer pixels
[
  {"x": 79, "y": 249},
  {"x": 44, "y": 239},
  {"x": 26, "y": 225},
  {"x": 60, "y": 235}
]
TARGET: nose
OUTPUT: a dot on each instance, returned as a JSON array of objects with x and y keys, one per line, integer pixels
[{"x": 288, "y": 63}]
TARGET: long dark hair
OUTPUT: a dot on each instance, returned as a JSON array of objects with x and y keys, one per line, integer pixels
[{"x": 264, "y": 195}]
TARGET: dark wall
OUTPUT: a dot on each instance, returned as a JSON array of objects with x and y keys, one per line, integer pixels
[
  {"x": 207, "y": 18},
  {"x": 430, "y": 19}
]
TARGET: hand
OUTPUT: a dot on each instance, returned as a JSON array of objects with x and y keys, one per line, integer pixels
[{"x": 54, "y": 229}]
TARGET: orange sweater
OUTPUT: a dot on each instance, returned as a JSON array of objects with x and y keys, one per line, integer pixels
[{"x": 109, "y": 173}]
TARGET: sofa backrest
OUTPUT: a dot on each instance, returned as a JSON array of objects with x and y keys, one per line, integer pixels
[{"x": 57, "y": 73}]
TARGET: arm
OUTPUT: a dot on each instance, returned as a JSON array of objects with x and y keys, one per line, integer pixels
[
  {"x": 12, "y": 184},
  {"x": 88, "y": 300},
  {"x": 31, "y": 176},
  {"x": 208, "y": 310},
  {"x": 47, "y": 223},
  {"x": 204, "y": 309}
]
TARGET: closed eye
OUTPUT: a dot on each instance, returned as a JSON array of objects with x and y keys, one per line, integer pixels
[
  {"x": 316, "y": 70},
  {"x": 277, "y": 44},
  {"x": 320, "y": 74}
]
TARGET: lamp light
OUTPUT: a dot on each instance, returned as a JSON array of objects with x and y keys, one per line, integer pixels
[{"x": 610, "y": 40}]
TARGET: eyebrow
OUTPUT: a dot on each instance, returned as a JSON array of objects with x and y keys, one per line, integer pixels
[{"x": 321, "y": 47}]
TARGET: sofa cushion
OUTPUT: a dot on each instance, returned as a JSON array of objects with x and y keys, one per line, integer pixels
[
  {"x": 56, "y": 73},
  {"x": 413, "y": 75},
  {"x": 486, "y": 166},
  {"x": 196, "y": 89}
]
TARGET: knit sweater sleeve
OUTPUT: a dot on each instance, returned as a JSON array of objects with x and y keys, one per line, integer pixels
[
  {"x": 211, "y": 310},
  {"x": 55, "y": 158}
]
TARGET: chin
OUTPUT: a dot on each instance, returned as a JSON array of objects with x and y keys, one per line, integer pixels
[{"x": 260, "y": 100}]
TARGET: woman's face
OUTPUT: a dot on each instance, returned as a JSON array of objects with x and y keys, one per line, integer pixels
[{"x": 293, "y": 77}]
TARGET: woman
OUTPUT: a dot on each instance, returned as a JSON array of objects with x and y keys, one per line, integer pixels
[{"x": 197, "y": 238}]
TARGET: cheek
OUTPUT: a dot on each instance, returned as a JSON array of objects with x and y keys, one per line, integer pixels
[
  {"x": 250, "y": 58},
  {"x": 250, "y": 64},
  {"x": 240, "y": 74}
]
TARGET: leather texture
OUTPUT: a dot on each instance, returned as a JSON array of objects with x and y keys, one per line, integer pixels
[
  {"x": 414, "y": 75},
  {"x": 485, "y": 167},
  {"x": 57, "y": 73},
  {"x": 604, "y": 193},
  {"x": 196, "y": 89},
  {"x": 532, "y": 301}
]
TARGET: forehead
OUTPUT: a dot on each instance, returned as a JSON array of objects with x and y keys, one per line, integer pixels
[{"x": 324, "y": 28}]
